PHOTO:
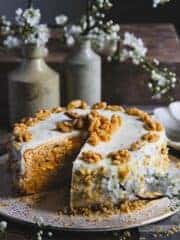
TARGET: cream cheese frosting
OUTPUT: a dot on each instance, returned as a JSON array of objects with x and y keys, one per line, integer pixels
[{"x": 110, "y": 187}]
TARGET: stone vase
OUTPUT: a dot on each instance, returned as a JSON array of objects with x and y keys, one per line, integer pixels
[
  {"x": 83, "y": 74},
  {"x": 33, "y": 85}
]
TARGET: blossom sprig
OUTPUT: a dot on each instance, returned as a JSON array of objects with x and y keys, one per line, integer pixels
[
  {"x": 161, "y": 80},
  {"x": 105, "y": 37},
  {"x": 27, "y": 29},
  {"x": 5, "y": 29},
  {"x": 93, "y": 24},
  {"x": 158, "y": 2},
  {"x": 41, "y": 232}
]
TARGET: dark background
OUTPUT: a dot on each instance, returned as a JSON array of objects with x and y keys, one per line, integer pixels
[{"x": 125, "y": 11}]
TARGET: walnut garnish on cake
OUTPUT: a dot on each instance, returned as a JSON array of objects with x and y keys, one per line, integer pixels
[
  {"x": 136, "y": 112},
  {"x": 100, "y": 105},
  {"x": 31, "y": 121},
  {"x": 115, "y": 108},
  {"x": 137, "y": 145},
  {"x": 91, "y": 157},
  {"x": 151, "y": 137},
  {"x": 77, "y": 104},
  {"x": 120, "y": 157},
  {"x": 101, "y": 128},
  {"x": 57, "y": 110},
  {"x": 21, "y": 133},
  {"x": 65, "y": 126},
  {"x": 77, "y": 122},
  {"x": 43, "y": 114},
  {"x": 153, "y": 125}
]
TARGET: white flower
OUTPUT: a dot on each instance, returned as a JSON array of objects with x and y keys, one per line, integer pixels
[
  {"x": 5, "y": 26},
  {"x": 74, "y": 30},
  {"x": 50, "y": 234},
  {"x": 161, "y": 79},
  {"x": 157, "y": 2},
  {"x": 11, "y": 42},
  {"x": 136, "y": 43},
  {"x": 19, "y": 12},
  {"x": 61, "y": 20},
  {"x": 156, "y": 61},
  {"x": 150, "y": 85},
  {"x": 32, "y": 16},
  {"x": 39, "y": 36},
  {"x": 130, "y": 54},
  {"x": 124, "y": 55},
  {"x": 115, "y": 28},
  {"x": 70, "y": 41},
  {"x": 43, "y": 34},
  {"x": 3, "y": 226}
]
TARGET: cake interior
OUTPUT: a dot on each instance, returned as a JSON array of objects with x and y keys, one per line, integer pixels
[{"x": 49, "y": 165}]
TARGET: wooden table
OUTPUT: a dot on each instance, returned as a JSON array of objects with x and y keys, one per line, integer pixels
[{"x": 156, "y": 231}]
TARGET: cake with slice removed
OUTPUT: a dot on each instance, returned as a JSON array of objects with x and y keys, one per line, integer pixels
[{"x": 105, "y": 153}]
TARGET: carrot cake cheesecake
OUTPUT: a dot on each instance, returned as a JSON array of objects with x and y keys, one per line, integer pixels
[{"x": 106, "y": 153}]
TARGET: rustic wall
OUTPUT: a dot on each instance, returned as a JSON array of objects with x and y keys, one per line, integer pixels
[
  {"x": 125, "y": 10},
  {"x": 50, "y": 8}
]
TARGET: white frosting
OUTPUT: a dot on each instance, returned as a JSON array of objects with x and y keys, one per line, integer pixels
[
  {"x": 129, "y": 132},
  {"x": 43, "y": 132}
]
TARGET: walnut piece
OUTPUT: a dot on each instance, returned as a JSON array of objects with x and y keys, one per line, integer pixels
[
  {"x": 115, "y": 108},
  {"x": 151, "y": 137},
  {"x": 91, "y": 157},
  {"x": 57, "y": 110},
  {"x": 100, "y": 105},
  {"x": 43, "y": 114},
  {"x": 65, "y": 126},
  {"x": 21, "y": 133},
  {"x": 151, "y": 124},
  {"x": 77, "y": 104},
  {"x": 136, "y": 112},
  {"x": 94, "y": 139},
  {"x": 120, "y": 157},
  {"x": 29, "y": 121},
  {"x": 101, "y": 128},
  {"x": 137, "y": 145}
]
